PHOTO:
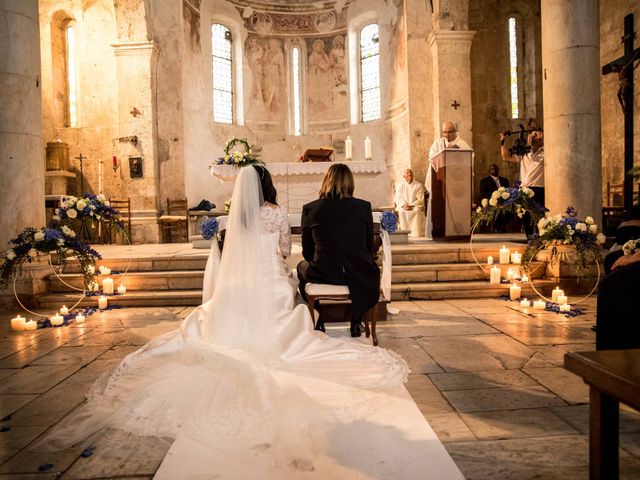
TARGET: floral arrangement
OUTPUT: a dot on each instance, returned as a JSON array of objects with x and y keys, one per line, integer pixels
[
  {"x": 209, "y": 228},
  {"x": 92, "y": 207},
  {"x": 56, "y": 238},
  {"x": 235, "y": 157},
  {"x": 389, "y": 222},
  {"x": 632, "y": 246},
  {"x": 566, "y": 229},
  {"x": 515, "y": 200}
]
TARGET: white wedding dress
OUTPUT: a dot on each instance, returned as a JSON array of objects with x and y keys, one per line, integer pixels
[{"x": 245, "y": 376}]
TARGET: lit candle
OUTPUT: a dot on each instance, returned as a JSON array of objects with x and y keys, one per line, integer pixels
[
  {"x": 565, "y": 308},
  {"x": 515, "y": 291},
  {"x": 525, "y": 278},
  {"x": 57, "y": 320},
  {"x": 489, "y": 260},
  {"x": 504, "y": 255},
  {"x": 102, "y": 302},
  {"x": 18, "y": 323},
  {"x": 100, "y": 169},
  {"x": 494, "y": 275},
  {"x": 105, "y": 271},
  {"x": 79, "y": 318},
  {"x": 31, "y": 325},
  {"x": 348, "y": 149},
  {"x": 510, "y": 274},
  {"x": 122, "y": 289},
  {"x": 107, "y": 286},
  {"x": 64, "y": 310},
  {"x": 562, "y": 299},
  {"x": 367, "y": 149},
  {"x": 516, "y": 257},
  {"x": 555, "y": 293},
  {"x": 525, "y": 303},
  {"x": 539, "y": 304},
  {"x": 101, "y": 268}
]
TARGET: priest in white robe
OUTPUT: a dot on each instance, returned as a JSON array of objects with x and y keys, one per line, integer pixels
[
  {"x": 409, "y": 200},
  {"x": 449, "y": 139}
]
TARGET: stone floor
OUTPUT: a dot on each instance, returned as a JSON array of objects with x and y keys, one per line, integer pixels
[{"x": 486, "y": 375}]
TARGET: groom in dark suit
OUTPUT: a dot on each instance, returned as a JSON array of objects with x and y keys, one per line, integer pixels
[{"x": 337, "y": 242}]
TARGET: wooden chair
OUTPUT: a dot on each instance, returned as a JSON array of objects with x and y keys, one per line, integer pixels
[
  {"x": 613, "y": 207},
  {"x": 175, "y": 220},
  {"x": 124, "y": 207}
]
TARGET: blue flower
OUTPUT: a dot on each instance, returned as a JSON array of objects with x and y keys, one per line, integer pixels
[
  {"x": 389, "y": 221},
  {"x": 209, "y": 228}
]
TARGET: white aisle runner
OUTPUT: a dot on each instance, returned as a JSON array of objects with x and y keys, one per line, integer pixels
[{"x": 393, "y": 442}]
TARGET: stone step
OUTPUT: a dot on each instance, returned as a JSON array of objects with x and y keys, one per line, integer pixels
[
  {"x": 423, "y": 255},
  {"x": 140, "y": 298},
  {"x": 448, "y": 290},
  {"x": 161, "y": 264},
  {"x": 453, "y": 272},
  {"x": 135, "y": 281}
]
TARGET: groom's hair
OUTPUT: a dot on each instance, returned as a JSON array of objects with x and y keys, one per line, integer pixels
[
  {"x": 269, "y": 193},
  {"x": 337, "y": 182}
]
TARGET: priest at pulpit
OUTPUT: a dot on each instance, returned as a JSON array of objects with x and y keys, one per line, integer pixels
[{"x": 409, "y": 200}]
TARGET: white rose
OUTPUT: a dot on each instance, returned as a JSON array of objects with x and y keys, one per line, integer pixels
[
  {"x": 495, "y": 194},
  {"x": 543, "y": 222},
  {"x": 81, "y": 205},
  {"x": 570, "y": 231},
  {"x": 542, "y": 231},
  {"x": 600, "y": 238},
  {"x": 520, "y": 212},
  {"x": 485, "y": 202},
  {"x": 60, "y": 242},
  {"x": 581, "y": 227},
  {"x": 38, "y": 236},
  {"x": 530, "y": 193},
  {"x": 593, "y": 228},
  {"x": 501, "y": 189},
  {"x": 68, "y": 232},
  {"x": 11, "y": 254},
  {"x": 72, "y": 213},
  {"x": 479, "y": 209},
  {"x": 92, "y": 207},
  {"x": 107, "y": 203},
  {"x": 589, "y": 220},
  {"x": 505, "y": 195},
  {"x": 493, "y": 202},
  {"x": 101, "y": 198},
  {"x": 32, "y": 252}
]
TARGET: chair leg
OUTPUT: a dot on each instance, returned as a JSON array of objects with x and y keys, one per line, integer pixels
[
  {"x": 374, "y": 318},
  {"x": 365, "y": 319},
  {"x": 310, "y": 303}
]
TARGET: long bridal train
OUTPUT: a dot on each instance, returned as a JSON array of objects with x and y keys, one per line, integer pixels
[{"x": 248, "y": 390}]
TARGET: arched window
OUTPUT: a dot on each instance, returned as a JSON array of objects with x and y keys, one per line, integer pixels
[
  {"x": 222, "y": 73},
  {"x": 295, "y": 73},
  {"x": 370, "y": 72},
  {"x": 72, "y": 81},
  {"x": 513, "y": 68}
]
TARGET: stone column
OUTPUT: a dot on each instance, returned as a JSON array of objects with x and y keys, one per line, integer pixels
[
  {"x": 22, "y": 160},
  {"x": 571, "y": 98},
  {"x": 451, "y": 51}
]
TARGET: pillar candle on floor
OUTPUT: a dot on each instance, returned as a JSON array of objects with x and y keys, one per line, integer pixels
[
  {"x": 489, "y": 260},
  {"x": 56, "y": 320},
  {"x": 18, "y": 323},
  {"x": 565, "y": 307},
  {"x": 102, "y": 302},
  {"x": 554, "y": 294},
  {"x": 515, "y": 291},
  {"x": 504, "y": 255},
  {"x": 107, "y": 286},
  {"x": 79, "y": 318},
  {"x": 31, "y": 325},
  {"x": 122, "y": 289},
  {"x": 539, "y": 304},
  {"x": 562, "y": 299},
  {"x": 510, "y": 274},
  {"x": 494, "y": 276},
  {"x": 516, "y": 257},
  {"x": 525, "y": 303}
]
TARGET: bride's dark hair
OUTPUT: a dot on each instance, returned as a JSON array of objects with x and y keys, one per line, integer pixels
[{"x": 269, "y": 193}]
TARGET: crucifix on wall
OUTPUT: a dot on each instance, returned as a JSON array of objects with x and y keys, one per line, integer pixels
[{"x": 624, "y": 66}]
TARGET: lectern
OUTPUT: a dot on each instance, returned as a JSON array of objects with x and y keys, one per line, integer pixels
[{"x": 451, "y": 186}]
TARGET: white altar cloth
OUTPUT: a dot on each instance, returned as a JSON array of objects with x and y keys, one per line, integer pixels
[{"x": 300, "y": 168}]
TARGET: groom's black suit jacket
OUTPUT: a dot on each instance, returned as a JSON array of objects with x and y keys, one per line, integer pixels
[{"x": 337, "y": 241}]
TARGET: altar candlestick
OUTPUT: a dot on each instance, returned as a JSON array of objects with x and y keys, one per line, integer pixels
[
  {"x": 367, "y": 149},
  {"x": 504, "y": 255},
  {"x": 100, "y": 169},
  {"x": 348, "y": 149}
]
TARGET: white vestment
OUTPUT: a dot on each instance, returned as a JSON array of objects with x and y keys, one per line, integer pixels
[
  {"x": 439, "y": 145},
  {"x": 410, "y": 194}
]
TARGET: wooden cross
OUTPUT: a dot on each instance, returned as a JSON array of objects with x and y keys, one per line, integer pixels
[
  {"x": 623, "y": 66},
  {"x": 81, "y": 159},
  {"x": 455, "y": 104}
]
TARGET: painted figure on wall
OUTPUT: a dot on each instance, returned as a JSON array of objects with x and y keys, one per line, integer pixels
[
  {"x": 254, "y": 52},
  {"x": 338, "y": 60},
  {"x": 327, "y": 79},
  {"x": 272, "y": 75}
]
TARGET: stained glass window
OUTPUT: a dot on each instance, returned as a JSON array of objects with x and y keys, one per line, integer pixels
[
  {"x": 297, "y": 112},
  {"x": 513, "y": 68},
  {"x": 370, "y": 72},
  {"x": 72, "y": 82},
  {"x": 222, "y": 74}
]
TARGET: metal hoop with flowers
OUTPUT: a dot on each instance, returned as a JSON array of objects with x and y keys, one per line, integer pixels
[{"x": 238, "y": 158}]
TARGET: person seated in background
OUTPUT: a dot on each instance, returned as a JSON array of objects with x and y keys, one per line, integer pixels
[
  {"x": 627, "y": 230},
  {"x": 409, "y": 200},
  {"x": 337, "y": 244},
  {"x": 490, "y": 184}
]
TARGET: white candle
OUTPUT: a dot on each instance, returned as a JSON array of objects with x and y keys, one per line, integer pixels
[
  {"x": 539, "y": 304},
  {"x": 562, "y": 299},
  {"x": 489, "y": 260},
  {"x": 102, "y": 302},
  {"x": 107, "y": 286},
  {"x": 525, "y": 278},
  {"x": 494, "y": 275},
  {"x": 64, "y": 310},
  {"x": 57, "y": 320},
  {"x": 565, "y": 308},
  {"x": 510, "y": 274},
  {"x": 515, "y": 291},
  {"x": 105, "y": 271},
  {"x": 101, "y": 268},
  {"x": 18, "y": 323},
  {"x": 31, "y": 325},
  {"x": 504, "y": 255},
  {"x": 348, "y": 149},
  {"x": 367, "y": 149},
  {"x": 516, "y": 257},
  {"x": 100, "y": 168},
  {"x": 555, "y": 293},
  {"x": 525, "y": 303},
  {"x": 79, "y": 318},
  {"x": 122, "y": 289}
]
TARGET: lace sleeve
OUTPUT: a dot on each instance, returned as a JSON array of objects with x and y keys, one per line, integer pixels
[{"x": 284, "y": 242}]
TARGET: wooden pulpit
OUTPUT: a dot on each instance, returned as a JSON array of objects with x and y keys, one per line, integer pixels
[{"x": 451, "y": 186}]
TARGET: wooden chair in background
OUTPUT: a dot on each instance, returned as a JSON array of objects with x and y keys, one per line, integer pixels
[
  {"x": 175, "y": 221},
  {"x": 124, "y": 207},
  {"x": 613, "y": 207}
]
